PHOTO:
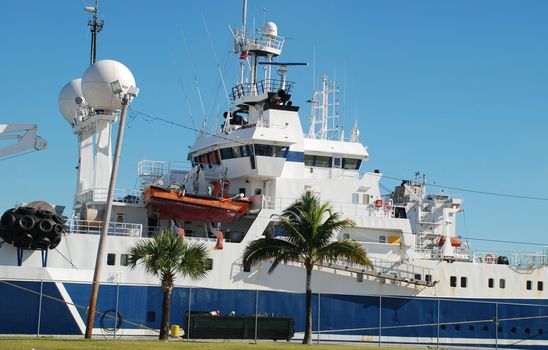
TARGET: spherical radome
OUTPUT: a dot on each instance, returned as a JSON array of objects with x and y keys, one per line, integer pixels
[
  {"x": 67, "y": 99},
  {"x": 96, "y": 84},
  {"x": 270, "y": 28}
]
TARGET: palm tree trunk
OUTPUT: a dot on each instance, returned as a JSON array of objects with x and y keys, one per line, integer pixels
[
  {"x": 166, "y": 303},
  {"x": 308, "y": 322}
]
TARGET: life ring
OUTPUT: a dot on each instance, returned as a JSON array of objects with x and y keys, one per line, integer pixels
[{"x": 489, "y": 258}]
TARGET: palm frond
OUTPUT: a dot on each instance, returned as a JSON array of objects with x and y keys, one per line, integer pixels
[{"x": 346, "y": 250}]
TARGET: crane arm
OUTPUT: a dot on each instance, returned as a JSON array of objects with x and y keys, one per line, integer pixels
[{"x": 25, "y": 139}]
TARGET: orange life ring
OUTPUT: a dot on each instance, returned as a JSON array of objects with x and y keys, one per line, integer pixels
[{"x": 489, "y": 258}]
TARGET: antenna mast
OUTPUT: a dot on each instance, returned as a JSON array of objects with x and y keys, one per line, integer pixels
[{"x": 95, "y": 26}]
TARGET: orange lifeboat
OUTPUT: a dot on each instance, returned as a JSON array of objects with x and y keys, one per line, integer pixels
[
  {"x": 455, "y": 241},
  {"x": 176, "y": 205}
]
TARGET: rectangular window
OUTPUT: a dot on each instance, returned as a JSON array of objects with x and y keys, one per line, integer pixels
[
  {"x": 281, "y": 152},
  {"x": 463, "y": 282},
  {"x": 336, "y": 162},
  {"x": 308, "y": 160},
  {"x": 529, "y": 285},
  {"x": 209, "y": 264},
  {"x": 242, "y": 190},
  {"x": 351, "y": 164},
  {"x": 226, "y": 153},
  {"x": 111, "y": 259},
  {"x": 418, "y": 276},
  {"x": 453, "y": 281},
  {"x": 346, "y": 235},
  {"x": 322, "y": 161},
  {"x": 491, "y": 283},
  {"x": 540, "y": 285},
  {"x": 355, "y": 198},
  {"x": 359, "y": 277},
  {"x": 382, "y": 239},
  {"x": 258, "y": 191},
  {"x": 119, "y": 217},
  {"x": 365, "y": 199},
  {"x": 237, "y": 152},
  {"x": 124, "y": 259},
  {"x": 428, "y": 278},
  {"x": 502, "y": 283}
]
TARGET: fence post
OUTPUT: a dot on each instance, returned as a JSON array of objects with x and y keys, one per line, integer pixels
[
  {"x": 40, "y": 308},
  {"x": 188, "y": 318},
  {"x": 318, "y": 337},
  {"x": 117, "y": 300},
  {"x": 438, "y": 327},
  {"x": 380, "y": 320},
  {"x": 496, "y": 325},
  {"x": 256, "y": 312}
]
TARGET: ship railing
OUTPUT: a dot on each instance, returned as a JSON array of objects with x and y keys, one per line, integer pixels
[
  {"x": 158, "y": 168},
  {"x": 261, "y": 87},
  {"x": 520, "y": 260},
  {"x": 427, "y": 244},
  {"x": 100, "y": 195},
  {"x": 345, "y": 208},
  {"x": 114, "y": 228},
  {"x": 269, "y": 41}
]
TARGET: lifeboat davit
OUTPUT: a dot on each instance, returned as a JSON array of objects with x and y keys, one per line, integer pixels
[
  {"x": 173, "y": 204},
  {"x": 455, "y": 241}
]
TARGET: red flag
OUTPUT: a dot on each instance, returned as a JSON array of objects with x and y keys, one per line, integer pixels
[{"x": 243, "y": 55}]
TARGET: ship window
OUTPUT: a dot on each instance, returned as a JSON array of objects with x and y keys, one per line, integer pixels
[
  {"x": 209, "y": 264},
  {"x": 124, "y": 259},
  {"x": 336, "y": 162},
  {"x": 281, "y": 152},
  {"x": 382, "y": 239},
  {"x": 359, "y": 277},
  {"x": 365, "y": 199},
  {"x": 322, "y": 161},
  {"x": 443, "y": 327},
  {"x": 499, "y": 329},
  {"x": 485, "y": 328},
  {"x": 527, "y": 331},
  {"x": 352, "y": 164},
  {"x": 529, "y": 285},
  {"x": 457, "y": 327},
  {"x": 151, "y": 316},
  {"x": 502, "y": 283},
  {"x": 242, "y": 191},
  {"x": 453, "y": 281},
  {"x": 513, "y": 330},
  {"x": 540, "y": 285},
  {"x": 540, "y": 331},
  {"x": 237, "y": 152},
  {"x": 120, "y": 217},
  {"x": 355, "y": 198},
  {"x": 111, "y": 259},
  {"x": 471, "y": 328},
  {"x": 346, "y": 235},
  {"x": 258, "y": 191},
  {"x": 308, "y": 160},
  {"x": 491, "y": 283},
  {"x": 226, "y": 153},
  {"x": 418, "y": 276},
  {"x": 463, "y": 282},
  {"x": 428, "y": 278}
]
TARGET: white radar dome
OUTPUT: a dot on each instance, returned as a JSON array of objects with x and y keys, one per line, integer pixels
[
  {"x": 96, "y": 84},
  {"x": 71, "y": 99},
  {"x": 271, "y": 29}
]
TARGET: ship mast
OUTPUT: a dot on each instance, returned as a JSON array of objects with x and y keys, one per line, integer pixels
[{"x": 95, "y": 26}]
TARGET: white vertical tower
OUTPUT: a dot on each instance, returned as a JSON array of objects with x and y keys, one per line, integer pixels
[{"x": 91, "y": 107}]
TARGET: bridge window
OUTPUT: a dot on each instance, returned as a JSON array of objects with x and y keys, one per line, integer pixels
[
  {"x": 336, "y": 162},
  {"x": 270, "y": 151},
  {"x": 453, "y": 281},
  {"x": 350, "y": 163}
]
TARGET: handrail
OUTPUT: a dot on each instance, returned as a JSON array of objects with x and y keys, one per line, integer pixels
[{"x": 114, "y": 228}]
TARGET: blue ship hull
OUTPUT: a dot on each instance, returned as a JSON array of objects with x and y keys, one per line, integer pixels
[{"x": 523, "y": 324}]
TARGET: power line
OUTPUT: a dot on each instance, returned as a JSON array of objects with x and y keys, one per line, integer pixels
[
  {"x": 472, "y": 191},
  {"x": 503, "y": 241}
]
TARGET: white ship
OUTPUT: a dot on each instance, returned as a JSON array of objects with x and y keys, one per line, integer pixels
[{"x": 427, "y": 286}]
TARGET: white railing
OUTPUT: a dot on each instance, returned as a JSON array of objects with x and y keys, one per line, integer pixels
[
  {"x": 346, "y": 208},
  {"x": 114, "y": 229},
  {"x": 100, "y": 195},
  {"x": 275, "y": 42},
  {"x": 515, "y": 258},
  {"x": 157, "y": 168}
]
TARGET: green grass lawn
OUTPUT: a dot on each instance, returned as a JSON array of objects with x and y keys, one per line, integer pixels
[{"x": 83, "y": 344}]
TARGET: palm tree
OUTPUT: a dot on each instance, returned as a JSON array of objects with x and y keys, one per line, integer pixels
[
  {"x": 164, "y": 256},
  {"x": 309, "y": 227}
]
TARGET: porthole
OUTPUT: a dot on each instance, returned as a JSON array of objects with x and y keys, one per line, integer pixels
[
  {"x": 513, "y": 330},
  {"x": 527, "y": 331},
  {"x": 443, "y": 326},
  {"x": 499, "y": 329},
  {"x": 485, "y": 328},
  {"x": 540, "y": 331},
  {"x": 457, "y": 327},
  {"x": 471, "y": 328}
]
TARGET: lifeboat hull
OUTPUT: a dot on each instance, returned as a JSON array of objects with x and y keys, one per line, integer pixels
[{"x": 175, "y": 205}]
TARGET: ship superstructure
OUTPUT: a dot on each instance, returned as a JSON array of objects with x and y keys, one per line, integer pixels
[{"x": 427, "y": 285}]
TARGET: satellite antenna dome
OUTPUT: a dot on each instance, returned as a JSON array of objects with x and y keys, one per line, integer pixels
[
  {"x": 71, "y": 100},
  {"x": 98, "y": 88},
  {"x": 270, "y": 29}
]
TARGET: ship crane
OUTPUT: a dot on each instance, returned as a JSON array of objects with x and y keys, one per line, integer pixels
[{"x": 25, "y": 138}]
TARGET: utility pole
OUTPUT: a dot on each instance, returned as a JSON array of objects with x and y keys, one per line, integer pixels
[{"x": 126, "y": 99}]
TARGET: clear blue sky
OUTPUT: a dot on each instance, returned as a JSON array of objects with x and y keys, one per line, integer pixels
[{"x": 455, "y": 89}]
